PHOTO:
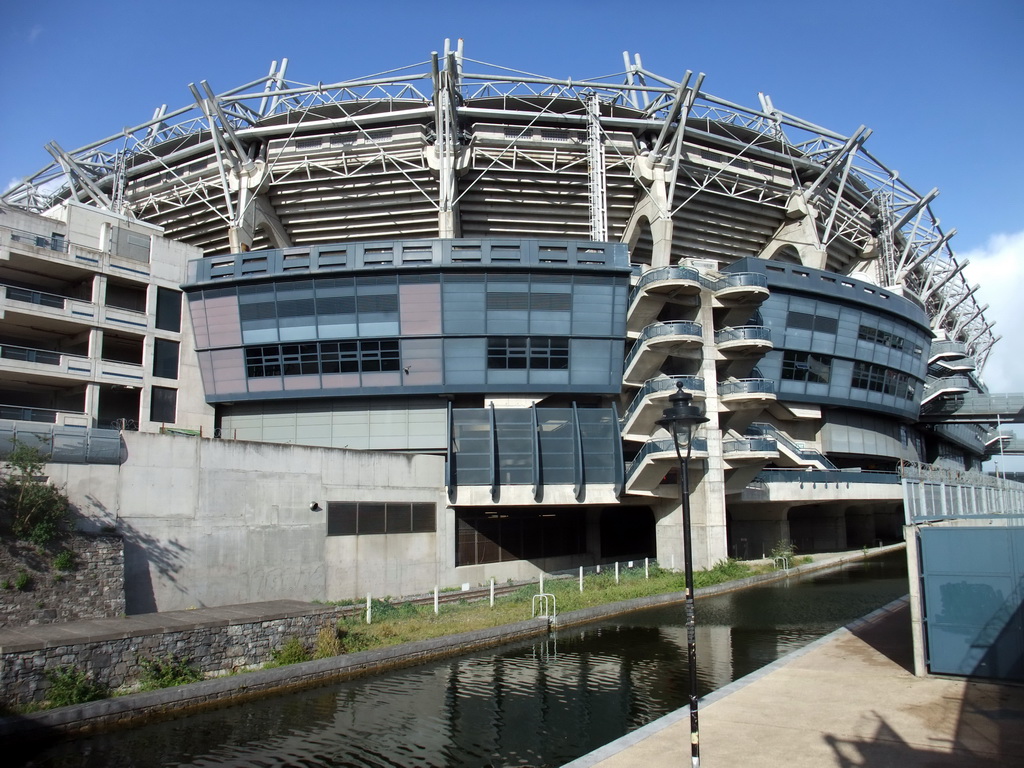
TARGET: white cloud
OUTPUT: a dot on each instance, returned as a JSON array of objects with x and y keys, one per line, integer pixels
[
  {"x": 998, "y": 266},
  {"x": 34, "y": 33}
]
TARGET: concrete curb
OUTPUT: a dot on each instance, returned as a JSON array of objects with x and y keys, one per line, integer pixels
[{"x": 683, "y": 713}]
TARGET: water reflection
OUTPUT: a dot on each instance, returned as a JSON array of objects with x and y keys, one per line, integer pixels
[{"x": 538, "y": 703}]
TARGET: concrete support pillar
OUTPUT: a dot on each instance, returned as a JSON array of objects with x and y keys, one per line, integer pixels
[
  {"x": 92, "y": 403},
  {"x": 99, "y": 290},
  {"x": 95, "y": 345},
  {"x": 860, "y": 527},
  {"x": 594, "y": 533}
]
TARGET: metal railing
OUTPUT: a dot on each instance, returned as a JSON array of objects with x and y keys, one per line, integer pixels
[
  {"x": 49, "y": 242},
  {"x": 735, "y": 280},
  {"x": 30, "y": 355},
  {"x": 665, "y": 384},
  {"x": 662, "y": 445},
  {"x": 658, "y": 330},
  {"x": 746, "y": 387},
  {"x": 38, "y": 298},
  {"x": 661, "y": 274},
  {"x": 947, "y": 349},
  {"x": 749, "y": 445},
  {"x": 783, "y": 439},
  {"x": 744, "y": 333},
  {"x": 847, "y": 476}
]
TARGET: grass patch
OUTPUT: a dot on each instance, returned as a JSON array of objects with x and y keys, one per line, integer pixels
[{"x": 395, "y": 623}]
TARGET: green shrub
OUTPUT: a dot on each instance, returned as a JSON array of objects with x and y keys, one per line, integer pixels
[
  {"x": 292, "y": 652},
  {"x": 33, "y": 510},
  {"x": 70, "y": 685},
  {"x": 22, "y": 581},
  {"x": 167, "y": 672},
  {"x": 65, "y": 561},
  {"x": 385, "y": 610},
  {"x": 328, "y": 643}
]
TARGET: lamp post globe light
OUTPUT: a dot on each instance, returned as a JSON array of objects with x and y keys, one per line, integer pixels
[{"x": 680, "y": 419}]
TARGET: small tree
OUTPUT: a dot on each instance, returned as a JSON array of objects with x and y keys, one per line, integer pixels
[{"x": 32, "y": 508}]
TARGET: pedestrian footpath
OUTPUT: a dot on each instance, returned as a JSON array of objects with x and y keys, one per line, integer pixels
[{"x": 849, "y": 699}]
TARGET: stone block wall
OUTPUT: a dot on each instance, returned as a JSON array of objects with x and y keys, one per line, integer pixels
[
  {"x": 111, "y": 651},
  {"x": 92, "y": 589}
]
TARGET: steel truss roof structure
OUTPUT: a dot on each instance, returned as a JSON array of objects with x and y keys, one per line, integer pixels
[{"x": 453, "y": 147}]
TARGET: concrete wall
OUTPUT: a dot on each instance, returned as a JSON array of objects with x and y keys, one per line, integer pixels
[{"x": 214, "y": 522}]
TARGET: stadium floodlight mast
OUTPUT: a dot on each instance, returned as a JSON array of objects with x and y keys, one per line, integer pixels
[{"x": 680, "y": 419}]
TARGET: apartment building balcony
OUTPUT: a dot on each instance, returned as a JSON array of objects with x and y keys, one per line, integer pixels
[
  {"x": 61, "y": 418},
  {"x": 62, "y": 314},
  {"x": 638, "y": 421},
  {"x": 66, "y": 260},
  {"x": 656, "y": 461},
  {"x": 656, "y": 343},
  {"x": 45, "y": 366},
  {"x": 654, "y": 288}
]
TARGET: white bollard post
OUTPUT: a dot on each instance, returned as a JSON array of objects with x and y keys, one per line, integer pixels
[
  {"x": 616, "y": 571},
  {"x": 647, "y": 568},
  {"x": 599, "y": 568},
  {"x": 492, "y": 591},
  {"x": 435, "y": 599},
  {"x": 581, "y": 579},
  {"x": 368, "y": 608}
]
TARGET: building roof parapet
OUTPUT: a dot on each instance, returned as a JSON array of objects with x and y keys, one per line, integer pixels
[
  {"x": 473, "y": 253},
  {"x": 797, "y": 278}
]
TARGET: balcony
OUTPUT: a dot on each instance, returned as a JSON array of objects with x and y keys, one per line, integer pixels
[
  {"x": 749, "y": 449},
  {"x": 936, "y": 388},
  {"x": 657, "y": 342},
  {"x": 738, "y": 394},
  {"x": 638, "y": 421},
  {"x": 28, "y": 364},
  {"x": 951, "y": 350},
  {"x": 644, "y": 475},
  {"x": 743, "y": 341},
  {"x": 737, "y": 288},
  {"x": 656, "y": 287},
  {"x": 44, "y": 416}
]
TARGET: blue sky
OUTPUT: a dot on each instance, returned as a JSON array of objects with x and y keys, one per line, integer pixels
[{"x": 940, "y": 82}]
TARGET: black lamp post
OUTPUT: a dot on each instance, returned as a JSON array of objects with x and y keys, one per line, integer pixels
[{"x": 679, "y": 419}]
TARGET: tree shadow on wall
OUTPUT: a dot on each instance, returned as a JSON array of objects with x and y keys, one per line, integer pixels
[{"x": 144, "y": 554}]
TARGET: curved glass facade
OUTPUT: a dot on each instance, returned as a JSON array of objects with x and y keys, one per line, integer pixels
[
  {"x": 425, "y": 317},
  {"x": 842, "y": 342}
]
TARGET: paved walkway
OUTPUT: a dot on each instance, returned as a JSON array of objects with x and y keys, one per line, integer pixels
[{"x": 849, "y": 699}]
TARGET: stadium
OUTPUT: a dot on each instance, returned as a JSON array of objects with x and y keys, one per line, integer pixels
[{"x": 479, "y": 287}]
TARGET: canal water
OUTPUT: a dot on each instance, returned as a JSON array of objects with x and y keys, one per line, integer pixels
[{"x": 534, "y": 703}]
